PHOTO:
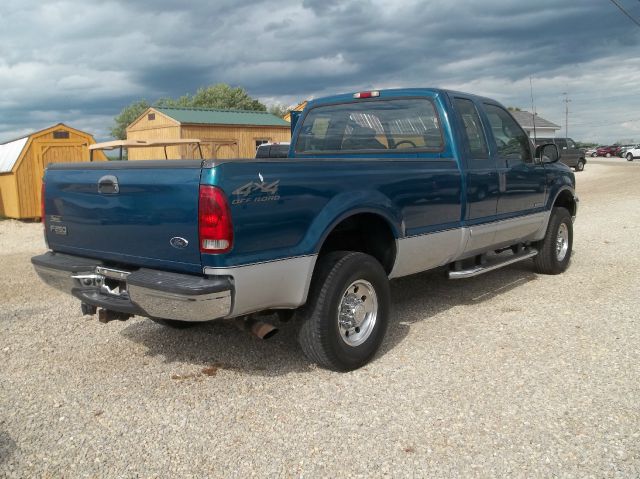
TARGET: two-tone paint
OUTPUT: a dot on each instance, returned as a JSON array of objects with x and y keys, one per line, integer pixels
[{"x": 439, "y": 206}]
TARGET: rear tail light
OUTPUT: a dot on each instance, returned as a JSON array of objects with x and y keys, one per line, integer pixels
[{"x": 214, "y": 221}]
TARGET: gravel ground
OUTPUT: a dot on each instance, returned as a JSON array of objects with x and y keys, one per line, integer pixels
[{"x": 509, "y": 374}]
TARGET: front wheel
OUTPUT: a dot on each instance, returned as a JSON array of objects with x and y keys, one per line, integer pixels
[
  {"x": 346, "y": 316},
  {"x": 629, "y": 157},
  {"x": 608, "y": 155},
  {"x": 554, "y": 251},
  {"x": 580, "y": 165}
]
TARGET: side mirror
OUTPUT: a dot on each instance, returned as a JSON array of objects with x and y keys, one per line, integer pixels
[{"x": 547, "y": 153}]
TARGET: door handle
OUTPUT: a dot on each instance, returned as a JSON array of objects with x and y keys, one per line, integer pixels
[{"x": 108, "y": 185}]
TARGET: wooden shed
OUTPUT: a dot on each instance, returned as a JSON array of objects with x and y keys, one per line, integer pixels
[
  {"x": 299, "y": 107},
  {"x": 22, "y": 164},
  {"x": 222, "y": 133}
]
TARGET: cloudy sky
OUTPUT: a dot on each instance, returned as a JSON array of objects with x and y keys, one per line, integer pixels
[{"x": 82, "y": 61}]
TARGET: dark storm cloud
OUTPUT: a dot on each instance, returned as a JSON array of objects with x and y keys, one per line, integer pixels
[
  {"x": 82, "y": 62},
  {"x": 174, "y": 78}
]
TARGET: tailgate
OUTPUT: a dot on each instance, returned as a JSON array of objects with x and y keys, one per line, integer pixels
[{"x": 142, "y": 213}]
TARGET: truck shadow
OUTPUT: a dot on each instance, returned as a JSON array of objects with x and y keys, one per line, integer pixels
[
  {"x": 423, "y": 296},
  {"x": 221, "y": 345},
  {"x": 7, "y": 447}
]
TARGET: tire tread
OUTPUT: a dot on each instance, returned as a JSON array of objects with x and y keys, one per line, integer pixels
[
  {"x": 314, "y": 340},
  {"x": 545, "y": 261}
]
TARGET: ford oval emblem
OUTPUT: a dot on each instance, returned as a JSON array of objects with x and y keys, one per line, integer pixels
[{"x": 178, "y": 242}]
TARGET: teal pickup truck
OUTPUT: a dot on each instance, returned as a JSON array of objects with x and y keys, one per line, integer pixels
[{"x": 376, "y": 185}]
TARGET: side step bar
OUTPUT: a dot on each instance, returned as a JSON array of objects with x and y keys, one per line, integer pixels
[{"x": 481, "y": 269}]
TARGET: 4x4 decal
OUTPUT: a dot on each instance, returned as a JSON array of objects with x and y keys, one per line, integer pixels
[{"x": 265, "y": 192}]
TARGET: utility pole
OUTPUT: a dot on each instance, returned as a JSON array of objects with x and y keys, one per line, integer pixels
[
  {"x": 566, "y": 115},
  {"x": 533, "y": 112}
]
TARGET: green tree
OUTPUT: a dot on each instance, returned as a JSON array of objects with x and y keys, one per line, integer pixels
[
  {"x": 220, "y": 96},
  {"x": 278, "y": 109},
  {"x": 126, "y": 116}
]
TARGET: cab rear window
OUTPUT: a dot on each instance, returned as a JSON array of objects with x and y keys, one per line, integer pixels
[{"x": 395, "y": 126}]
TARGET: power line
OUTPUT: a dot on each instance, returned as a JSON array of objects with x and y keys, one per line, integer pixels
[{"x": 625, "y": 12}]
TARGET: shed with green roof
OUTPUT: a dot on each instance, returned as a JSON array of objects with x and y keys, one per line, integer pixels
[{"x": 223, "y": 133}]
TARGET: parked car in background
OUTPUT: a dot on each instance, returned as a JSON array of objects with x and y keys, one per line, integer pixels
[
  {"x": 607, "y": 151},
  {"x": 570, "y": 154},
  {"x": 632, "y": 152},
  {"x": 623, "y": 150},
  {"x": 591, "y": 152},
  {"x": 273, "y": 150}
]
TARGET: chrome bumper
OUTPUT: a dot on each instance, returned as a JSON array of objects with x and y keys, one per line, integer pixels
[{"x": 143, "y": 292}]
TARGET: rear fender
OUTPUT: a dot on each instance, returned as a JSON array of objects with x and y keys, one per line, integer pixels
[{"x": 349, "y": 204}]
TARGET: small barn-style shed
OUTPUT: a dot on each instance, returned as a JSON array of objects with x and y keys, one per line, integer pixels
[
  {"x": 222, "y": 133},
  {"x": 299, "y": 107},
  {"x": 22, "y": 164}
]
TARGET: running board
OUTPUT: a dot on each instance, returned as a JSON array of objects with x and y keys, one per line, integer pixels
[{"x": 481, "y": 269}]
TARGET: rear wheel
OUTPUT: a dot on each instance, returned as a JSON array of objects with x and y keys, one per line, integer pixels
[
  {"x": 608, "y": 155},
  {"x": 554, "y": 251},
  {"x": 629, "y": 157},
  {"x": 580, "y": 165},
  {"x": 346, "y": 316}
]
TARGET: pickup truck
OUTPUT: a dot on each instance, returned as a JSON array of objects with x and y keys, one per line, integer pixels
[{"x": 377, "y": 185}]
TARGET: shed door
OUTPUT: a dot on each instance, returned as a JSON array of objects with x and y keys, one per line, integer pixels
[{"x": 46, "y": 153}]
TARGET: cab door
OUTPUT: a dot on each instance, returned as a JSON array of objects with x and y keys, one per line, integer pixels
[
  {"x": 522, "y": 180},
  {"x": 482, "y": 185}
]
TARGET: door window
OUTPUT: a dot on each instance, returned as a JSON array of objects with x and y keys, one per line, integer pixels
[
  {"x": 571, "y": 144},
  {"x": 473, "y": 129},
  {"x": 561, "y": 143},
  {"x": 511, "y": 140}
]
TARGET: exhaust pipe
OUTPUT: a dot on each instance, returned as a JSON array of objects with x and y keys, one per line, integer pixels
[
  {"x": 259, "y": 329},
  {"x": 263, "y": 330}
]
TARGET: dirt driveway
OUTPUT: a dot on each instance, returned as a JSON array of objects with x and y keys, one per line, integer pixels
[{"x": 510, "y": 374}]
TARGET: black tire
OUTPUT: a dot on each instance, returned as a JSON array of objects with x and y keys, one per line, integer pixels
[
  {"x": 548, "y": 260},
  {"x": 593, "y": 155},
  {"x": 629, "y": 157},
  {"x": 174, "y": 323},
  {"x": 580, "y": 165},
  {"x": 321, "y": 336}
]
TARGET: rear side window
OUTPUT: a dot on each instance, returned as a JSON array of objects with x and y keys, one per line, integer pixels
[
  {"x": 511, "y": 140},
  {"x": 473, "y": 129},
  {"x": 561, "y": 143},
  {"x": 378, "y": 126}
]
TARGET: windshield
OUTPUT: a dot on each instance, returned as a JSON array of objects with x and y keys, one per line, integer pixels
[{"x": 399, "y": 125}]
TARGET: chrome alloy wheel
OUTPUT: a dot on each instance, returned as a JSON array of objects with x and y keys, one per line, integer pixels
[
  {"x": 562, "y": 242},
  {"x": 357, "y": 312}
]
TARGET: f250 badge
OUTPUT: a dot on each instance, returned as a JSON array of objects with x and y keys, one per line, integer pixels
[{"x": 254, "y": 192}]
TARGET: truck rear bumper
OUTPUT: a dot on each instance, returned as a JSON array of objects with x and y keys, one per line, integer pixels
[{"x": 144, "y": 292}]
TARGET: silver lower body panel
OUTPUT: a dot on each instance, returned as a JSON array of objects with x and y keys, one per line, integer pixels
[
  {"x": 428, "y": 251},
  {"x": 280, "y": 284}
]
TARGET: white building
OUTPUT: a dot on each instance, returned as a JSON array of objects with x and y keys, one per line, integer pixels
[{"x": 544, "y": 128}]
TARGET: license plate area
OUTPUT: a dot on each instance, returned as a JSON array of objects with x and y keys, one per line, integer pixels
[
  {"x": 114, "y": 281},
  {"x": 109, "y": 281}
]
